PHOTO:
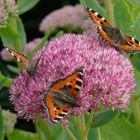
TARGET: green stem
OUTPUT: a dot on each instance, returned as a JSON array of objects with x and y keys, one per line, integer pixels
[
  {"x": 110, "y": 11},
  {"x": 89, "y": 123},
  {"x": 42, "y": 44},
  {"x": 82, "y": 127},
  {"x": 77, "y": 124},
  {"x": 70, "y": 133}
]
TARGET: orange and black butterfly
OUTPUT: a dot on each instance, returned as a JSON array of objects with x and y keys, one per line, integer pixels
[
  {"x": 62, "y": 94},
  {"x": 113, "y": 34},
  {"x": 30, "y": 65}
]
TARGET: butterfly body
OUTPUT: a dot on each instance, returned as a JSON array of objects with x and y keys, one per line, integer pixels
[
  {"x": 113, "y": 34},
  {"x": 62, "y": 94}
]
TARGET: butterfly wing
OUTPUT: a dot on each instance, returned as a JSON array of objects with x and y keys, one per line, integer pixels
[
  {"x": 30, "y": 65},
  {"x": 62, "y": 95},
  {"x": 97, "y": 18},
  {"x": 105, "y": 29},
  {"x": 20, "y": 57},
  {"x": 135, "y": 44}
]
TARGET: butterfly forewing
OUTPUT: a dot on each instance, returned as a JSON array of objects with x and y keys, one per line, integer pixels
[
  {"x": 62, "y": 94},
  {"x": 97, "y": 18},
  {"x": 20, "y": 57},
  {"x": 73, "y": 82}
]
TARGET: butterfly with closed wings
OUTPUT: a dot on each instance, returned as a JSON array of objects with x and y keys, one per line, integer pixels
[{"x": 30, "y": 65}]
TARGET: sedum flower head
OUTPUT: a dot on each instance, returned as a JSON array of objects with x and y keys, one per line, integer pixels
[
  {"x": 89, "y": 27},
  {"x": 10, "y": 120},
  {"x": 7, "y": 8},
  {"x": 68, "y": 15},
  {"x": 108, "y": 75},
  {"x": 5, "y": 55}
]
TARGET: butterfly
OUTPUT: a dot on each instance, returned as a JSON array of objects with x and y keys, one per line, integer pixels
[
  {"x": 62, "y": 94},
  {"x": 30, "y": 65},
  {"x": 113, "y": 34}
]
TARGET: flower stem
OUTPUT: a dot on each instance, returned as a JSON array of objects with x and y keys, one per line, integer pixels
[
  {"x": 82, "y": 127},
  {"x": 110, "y": 11},
  {"x": 89, "y": 123},
  {"x": 70, "y": 133}
]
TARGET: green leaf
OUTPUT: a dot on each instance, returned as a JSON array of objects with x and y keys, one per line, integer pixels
[
  {"x": 123, "y": 15},
  {"x": 58, "y": 132},
  {"x": 5, "y": 81},
  {"x": 136, "y": 11},
  {"x": 1, "y": 125},
  {"x": 119, "y": 129},
  {"x": 134, "y": 1},
  {"x": 94, "y": 5},
  {"x": 135, "y": 59},
  {"x": 21, "y": 41},
  {"x": 26, "y": 5},
  {"x": 22, "y": 135},
  {"x": 104, "y": 117},
  {"x": 136, "y": 27},
  {"x": 82, "y": 2},
  {"x": 9, "y": 34},
  {"x": 13, "y": 36},
  {"x": 13, "y": 69},
  {"x": 94, "y": 133},
  {"x": 45, "y": 132},
  {"x": 137, "y": 78}
]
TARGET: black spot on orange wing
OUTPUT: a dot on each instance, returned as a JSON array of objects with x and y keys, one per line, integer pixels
[
  {"x": 53, "y": 110},
  {"x": 104, "y": 35},
  {"x": 129, "y": 49},
  {"x": 79, "y": 83},
  {"x": 69, "y": 81},
  {"x": 97, "y": 18},
  {"x": 132, "y": 41},
  {"x": 65, "y": 86}
]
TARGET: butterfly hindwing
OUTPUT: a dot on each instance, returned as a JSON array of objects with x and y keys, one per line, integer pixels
[
  {"x": 61, "y": 96},
  {"x": 56, "y": 113},
  {"x": 133, "y": 42}
]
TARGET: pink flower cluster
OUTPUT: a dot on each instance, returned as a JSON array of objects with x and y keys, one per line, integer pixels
[
  {"x": 7, "y": 7},
  {"x": 108, "y": 75},
  {"x": 68, "y": 15}
]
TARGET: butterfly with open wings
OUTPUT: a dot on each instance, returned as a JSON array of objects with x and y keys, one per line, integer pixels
[
  {"x": 113, "y": 34},
  {"x": 62, "y": 94}
]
